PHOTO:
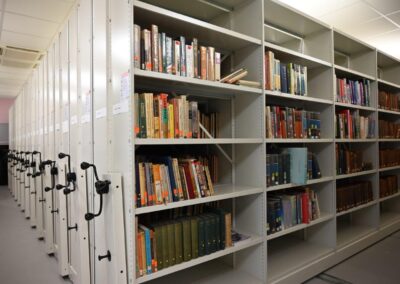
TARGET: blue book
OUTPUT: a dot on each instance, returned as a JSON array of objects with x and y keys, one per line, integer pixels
[
  {"x": 284, "y": 82},
  {"x": 174, "y": 187},
  {"x": 148, "y": 248},
  {"x": 298, "y": 165}
]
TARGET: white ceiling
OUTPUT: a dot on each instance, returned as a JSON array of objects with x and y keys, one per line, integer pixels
[
  {"x": 27, "y": 24},
  {"x": 376, "y": 22}
]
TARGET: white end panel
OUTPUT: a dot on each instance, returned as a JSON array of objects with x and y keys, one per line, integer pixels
[
  {"x": 100, "y": 130},
  {"x": 62, "y": 217},
  {"x": 121, "y": 160},
  {"x": 57, "y": 142},
  {"x": 74, "y": 210},
  {"x": 32, "y": 170},
  {"x": 85, "y": 149}
]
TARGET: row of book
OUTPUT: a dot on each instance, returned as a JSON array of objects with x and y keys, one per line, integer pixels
[
  {"x": 160, "y": 245},
  {"x": 288, "y": 78},
  {"x": 356, "y": 92},
  {"x": 388, "y": 185},
  {"x": 285, "y": 122},
  {"x": 350, "y": 161},
  {"x": 389, "y": 129},
  {"x": 353, "y": 194},
  {"x": 389, "y": 158},
  {"x": 166, "y": 179},
  {"x": 352, "y": 125},
  {"x": 156, "y": 51},
  {"x": 164, "y": 116},
  {"x": 388, "y": 101},
  {"x": 290, "y": 208},
  {"x": 292, "y": 165}
]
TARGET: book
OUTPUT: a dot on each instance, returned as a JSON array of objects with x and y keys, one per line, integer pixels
[
  {"x": 182, "y": 41},
  {"x": 248, "y": 83},
  {"x": 189, "y": 61},
  {"x": 176, "y": 69},
  {"x": 195, "y": 47},
  {"x": 154, "y": 47},
  {"x": 137, "y": 43},
  {"x": 298, "y": 165},
  {"x": 352, "y": 194},
  {"x": 169, "y": 55},
  {"x": 210, "y": 63},
  {"x": 237, "y": 77},
  {"x": 217, "y": 66}
]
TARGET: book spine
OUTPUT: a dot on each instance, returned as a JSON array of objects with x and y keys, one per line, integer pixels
[
  {"x": 137, "y": 54},
  {"x": 154, "y": 47},
  {"x": 183, "y": 55},
  {"x": 189, "y": 61}
]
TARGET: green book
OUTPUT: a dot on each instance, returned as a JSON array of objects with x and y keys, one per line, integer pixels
[
  {"x": 214, "y": 226},
  {"x": 159, "y": 246},
  {"x": 171, "y": 244},
  {"x": 178, "y": 242},
  {"x": 195, "y": 238},
  {"x": 187, "y": 240},
  {"x": 221, "y": 230},
  {"x": 207, "y": 233},
  {"x": 142, "y": 116},
  {"x": 201, "y": 236},
  {"x": 165, "y": 242}
]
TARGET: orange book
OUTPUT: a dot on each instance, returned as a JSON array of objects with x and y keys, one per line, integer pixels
[
  {"x": 203, "y": 62},
  {"x": 157, "y": 183}
]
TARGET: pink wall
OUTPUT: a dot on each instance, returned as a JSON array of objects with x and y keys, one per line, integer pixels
[{"x": 5, "y": 104}]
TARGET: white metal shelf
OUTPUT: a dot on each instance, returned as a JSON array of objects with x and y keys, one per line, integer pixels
[
  {"x": 169, "y": 82},
  {"x": 387, "y": 83},
  {"x": 348, "y": 233},
  {"x": 353, "y": 140},
  {"x": 389, "y": 139},
  {"x": 324, "y": 217},
  {"x": 278, "y": 94},
  {"x": 299, "y": 58},
  {"x": 208, "y": 34},
  {"x": 362, "y": 173},
  {"x": 387, "y": 218},
  {"x": 252, "y": 241},
  {"x": 225, "y": 191},
  {"x": 382, "y": 199},
  {"x": 183, "y": 141},
  {"x": 366, "y": 108},
  {"x": 359, "y": 207},
  {"x": 380, "y": 110},
  {"x": 288, "y": 254},
  {"x": 290, "y": 140},
  {"x": 389, "y": 169},
  {"x": 291, "y": 185},
  {"x": 348, "y": 71}
]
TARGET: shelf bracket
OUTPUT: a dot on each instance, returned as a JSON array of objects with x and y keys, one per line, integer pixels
[
  {"x": 218, "y": 146},
  {"x": 216, "y": 5}
]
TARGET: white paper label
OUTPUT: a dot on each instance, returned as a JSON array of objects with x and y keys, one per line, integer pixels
[
  {"x": 121, "y": 107},
  {"x": 101, "y": 113},
  {"x": 74, "y": 119},
  {"x": 65, "y": 126},
  {"x": 85, "y": 118},
  {"x": 125, "y": 86}
]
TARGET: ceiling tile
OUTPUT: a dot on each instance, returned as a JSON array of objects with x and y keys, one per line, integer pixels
[
  {"x": 318, "y": 8},
  {"x": 395, "y": 17},
  {"x": 24, "y": 41},
  {"x": 50, "y": 10},
  {"x": 388, "y": 42},
  {"x": 371, "y": 28},
  {"x": 26, "y": 25},
  {"x": 384, "y": 6},
  {"x": 351, "y": 15}
]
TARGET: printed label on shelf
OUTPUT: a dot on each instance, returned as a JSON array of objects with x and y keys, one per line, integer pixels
[
  {"x": 121, "y": 107},
  {"x": 125, "y": 86},
  {"x": 65, "y": 126},
  {"x": 74, "y": 119},
  {"x": 101, "y": 113},
  {"x": 85, "y": 118}
]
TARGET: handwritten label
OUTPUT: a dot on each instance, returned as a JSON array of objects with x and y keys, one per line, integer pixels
[{"x": 101, "y": 113}]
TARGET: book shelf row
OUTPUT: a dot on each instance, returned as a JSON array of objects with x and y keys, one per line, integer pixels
[{"x": 315, "y": 111}]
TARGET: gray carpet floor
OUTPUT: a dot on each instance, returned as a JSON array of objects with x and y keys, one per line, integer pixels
[{"x": 22, "y": 256}]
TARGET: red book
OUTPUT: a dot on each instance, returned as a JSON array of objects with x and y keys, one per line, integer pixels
[
  {"x": 189, "y": 180},
  {"x": 305, "y": 216}
]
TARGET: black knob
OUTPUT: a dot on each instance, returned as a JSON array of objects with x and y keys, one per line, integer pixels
[
  {"x": 108, "y": 256},
  {"x": 54, "y": 171},
  {"x": 33, "y": 192},
  {"x": 71, "y": 177},
  {"x": 73, "y": 227},
  {"x": 47, "y": 189},
  {"x": 29, "y": 174},
  {"x": 54, "y": 211},
  {"x": 66, "y": 191},
  {"x": 85, "y": 165},
  {"x": 62, "y": 155},
  {"x": 59, "y": 186},
  {"x": 89, "y": 216},
  {"x": 42, "y": 200}
]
